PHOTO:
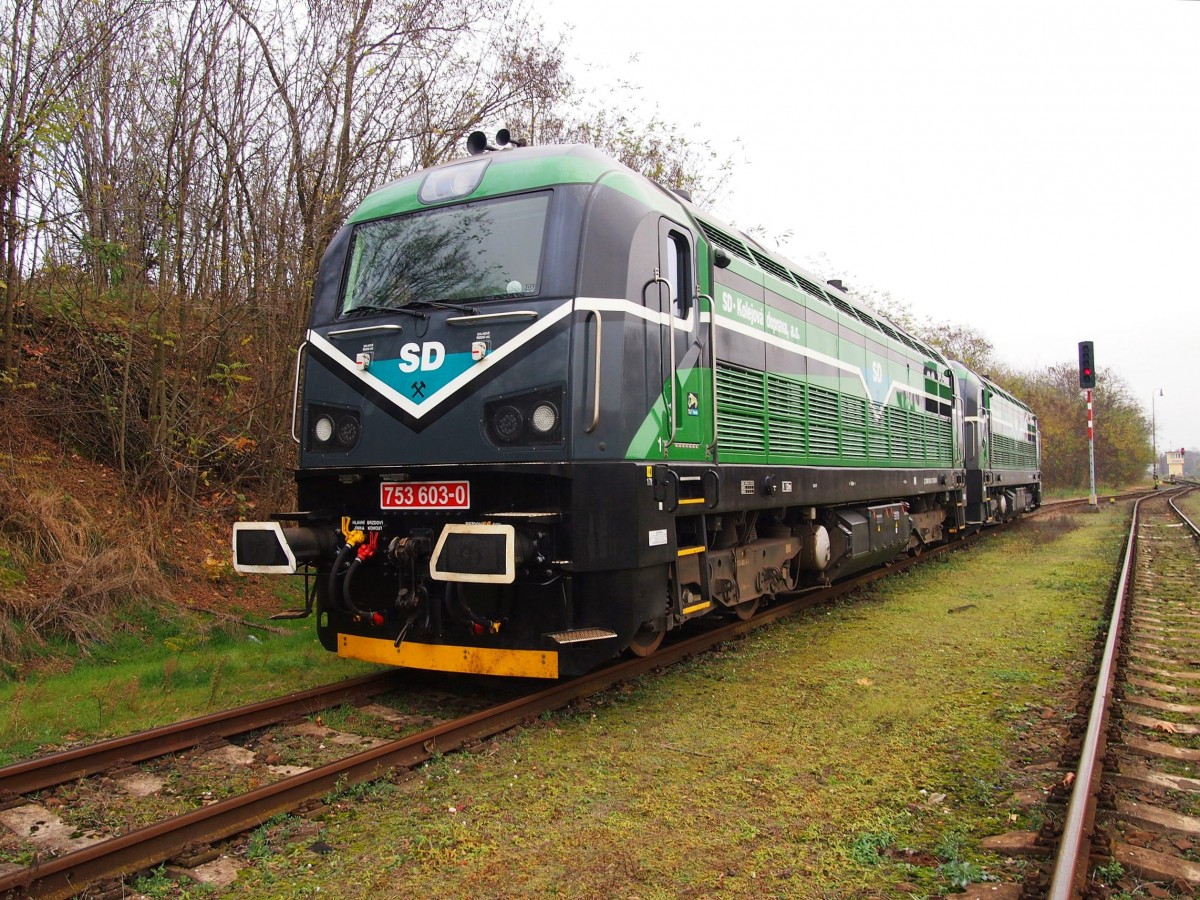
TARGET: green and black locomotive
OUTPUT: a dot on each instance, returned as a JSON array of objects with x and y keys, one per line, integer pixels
[{"x": 552, "y": 411}]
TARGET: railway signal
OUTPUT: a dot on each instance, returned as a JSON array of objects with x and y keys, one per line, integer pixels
[
  {"x": 1087, "y": 365},
  {"x": 1087, "y": 381}
]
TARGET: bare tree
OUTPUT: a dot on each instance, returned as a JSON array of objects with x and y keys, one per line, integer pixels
[{"x": 42, "y": 57}]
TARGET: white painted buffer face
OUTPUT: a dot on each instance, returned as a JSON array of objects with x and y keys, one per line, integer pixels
[{"x": 475, "y": 552}]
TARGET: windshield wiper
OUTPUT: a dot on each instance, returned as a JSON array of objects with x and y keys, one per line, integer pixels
[
  {"x": 457, "y": 307},
  {"x": 372, "y": 309}
]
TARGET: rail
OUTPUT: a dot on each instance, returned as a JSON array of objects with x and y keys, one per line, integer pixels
[
  {"x": 1070, "y": 866},
  {"x": 56, "y": 768}
]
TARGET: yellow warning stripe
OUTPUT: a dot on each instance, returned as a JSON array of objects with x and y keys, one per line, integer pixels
[
  {"x": 688, "y": 610},
  {"x": 690, "y": 551},
  {"x": 451, "y": 658}
]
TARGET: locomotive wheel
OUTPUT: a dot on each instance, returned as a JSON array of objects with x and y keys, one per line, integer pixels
[
  {"x": 747, "y": 608},
  {"x": 646, "y": 641}
]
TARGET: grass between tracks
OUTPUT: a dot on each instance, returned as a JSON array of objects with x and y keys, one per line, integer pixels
[
  {"x": 157, "y": 670},
  {"x": 1190, "y": 504},
  {"x": 861, "y": 750}
]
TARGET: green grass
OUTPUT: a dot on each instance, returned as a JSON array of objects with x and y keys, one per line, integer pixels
[
  {"x": 1191, "y": 506},
  {"x": 862, "y": 750},
  {"x": 159, "y": 670}
]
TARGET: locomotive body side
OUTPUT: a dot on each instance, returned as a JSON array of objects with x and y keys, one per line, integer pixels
[
  {"x": 551, "y": 411},
  {"x": 1003, "y": 451}
]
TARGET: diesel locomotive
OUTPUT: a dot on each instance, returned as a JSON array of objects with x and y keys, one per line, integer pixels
[{"x": 551, "y": 411}]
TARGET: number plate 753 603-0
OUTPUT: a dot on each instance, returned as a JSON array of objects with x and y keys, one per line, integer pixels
[{"x": 425, "y": 495}]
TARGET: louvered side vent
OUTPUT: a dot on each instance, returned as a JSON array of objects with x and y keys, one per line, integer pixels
[
  {"x": 822, "y": 421},
  {"x": 785, "y": 414},
  {"x": 854, "y": 424},
  {"x": 765, "y": 262},
  {"x": 879, "y": 443},
  {"x": 916, "y": 435},
  {"x": 937, "y": 440},
  {"x": 728, "y": 241},
  {"x": 740, "y": 404},
  {"x": 1010, "y": 454},
  {"x": 897, "y": 426}
]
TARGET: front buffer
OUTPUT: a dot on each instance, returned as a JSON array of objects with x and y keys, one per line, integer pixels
[{"x": 530, "y": 571}]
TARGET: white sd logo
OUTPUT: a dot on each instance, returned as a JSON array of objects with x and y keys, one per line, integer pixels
[{"x": 426, "y": 357}]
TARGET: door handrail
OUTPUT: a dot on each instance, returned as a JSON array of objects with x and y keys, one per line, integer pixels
[
  {"x": 670, "y": 329},
  {"x": 712, "y": 349},
  {"x": 296, "y": 388},
  {"x": 596, "y": 373}
]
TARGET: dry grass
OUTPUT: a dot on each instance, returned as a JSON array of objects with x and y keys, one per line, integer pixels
[{"x": 82, "y": 570}]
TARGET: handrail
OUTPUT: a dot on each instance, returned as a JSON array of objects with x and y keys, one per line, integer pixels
[
  {"x": 712, "y": 349},
  {"x": 596, "y": 373},
  {"x": 387, "y": 327},
  {"x": 491, "y": 317},
  {"x": 296, "y": 389},
  {"x": 670, "y": 328}
]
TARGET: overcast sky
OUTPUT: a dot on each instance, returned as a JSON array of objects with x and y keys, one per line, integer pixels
[{"x": 1029, "y": 168}]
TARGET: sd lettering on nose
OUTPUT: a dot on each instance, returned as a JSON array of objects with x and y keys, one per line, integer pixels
[{"x": 426, "y": 357}]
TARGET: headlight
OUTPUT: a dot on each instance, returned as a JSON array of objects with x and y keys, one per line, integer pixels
[
  {"x": 323, "y": 429},
  {"x": 544, "y": 418}
]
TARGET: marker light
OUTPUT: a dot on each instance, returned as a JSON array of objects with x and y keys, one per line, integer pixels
[
  {"x": 347, "y": 431},
  {"x": 508, "y": 423},
  {"x": 452, "y": 182}
]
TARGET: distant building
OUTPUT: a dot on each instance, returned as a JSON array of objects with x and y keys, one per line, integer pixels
[{"x": 1174, "y": 463}]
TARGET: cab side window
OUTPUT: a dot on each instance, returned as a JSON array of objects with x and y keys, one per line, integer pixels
[{"x": 677, "y": 272}]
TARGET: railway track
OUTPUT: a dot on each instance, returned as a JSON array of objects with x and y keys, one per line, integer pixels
[
  {"x": 1135, "y": 802},
  {"x": 189, "y": 834}
]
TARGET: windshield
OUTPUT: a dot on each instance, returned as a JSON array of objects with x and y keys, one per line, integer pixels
[{"x": 475, "y": 251}]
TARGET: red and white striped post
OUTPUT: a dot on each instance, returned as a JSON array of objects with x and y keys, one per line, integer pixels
[{"x": 1091, "y": 449}]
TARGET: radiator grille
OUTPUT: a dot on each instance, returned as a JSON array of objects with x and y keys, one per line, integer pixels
[
  {"x": 785, "y": 414},
  {"x": 740, "y": 410}
]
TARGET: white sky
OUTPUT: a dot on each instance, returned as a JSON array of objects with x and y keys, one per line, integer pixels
[{"x": 1029, "y": 168}]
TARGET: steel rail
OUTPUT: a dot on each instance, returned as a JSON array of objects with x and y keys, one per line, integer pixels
[
  {"x": 1188, "y": 523},
  {"x": 1070, "y": 865},
  {"x": 56, "y": 768},
  {"x": 136, "y": 850}
]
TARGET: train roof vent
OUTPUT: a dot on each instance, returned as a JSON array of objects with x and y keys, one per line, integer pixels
[
  {"x": 867, "y": 319},
  {"x": 889, "y": 330},
  {"x": 928, "y": 352},
  {"x": 765, "y": 262},
  {"x": 842, "y": 305},
  {"x": 809, "y": 287},
  {"x": 728, "y": 241}
]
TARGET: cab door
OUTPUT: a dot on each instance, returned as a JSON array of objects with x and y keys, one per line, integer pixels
[{"x": 683, "y": 348}]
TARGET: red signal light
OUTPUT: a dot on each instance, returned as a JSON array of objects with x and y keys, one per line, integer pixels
[
  {"x": 1087, "y": 365},
  {"x": 377, "y": 619}
]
